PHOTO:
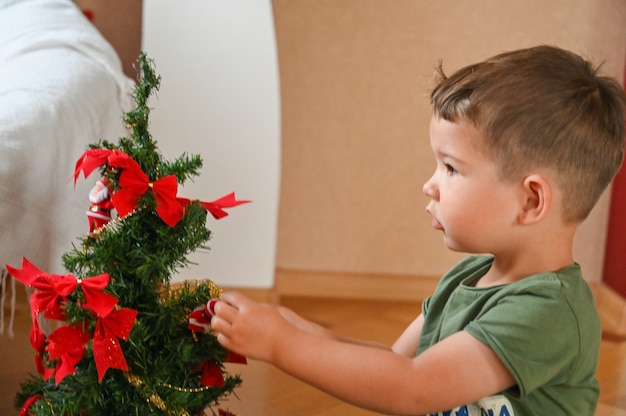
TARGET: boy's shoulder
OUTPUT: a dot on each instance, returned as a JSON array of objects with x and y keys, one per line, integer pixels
[
  {"x": 468, "y": 269},
  {"x": 566, "y": 282}
]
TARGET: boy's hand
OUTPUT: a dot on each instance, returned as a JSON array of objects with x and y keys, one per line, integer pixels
[{"x": 248, "y": 328}]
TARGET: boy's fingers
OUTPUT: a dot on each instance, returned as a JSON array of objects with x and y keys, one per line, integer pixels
[
  {"x": 224, "y": 311},
  {"x": 223, "y": 340},
  {"x": 219, "y": 324},
  {"x": 235, "y": 299}
]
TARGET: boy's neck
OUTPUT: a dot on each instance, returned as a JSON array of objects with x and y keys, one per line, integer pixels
[
  {"x": 498, "y": 275},
  {"x": 547, "y": 255}
]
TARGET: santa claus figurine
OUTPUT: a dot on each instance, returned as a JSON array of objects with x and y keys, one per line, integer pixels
[{"x": 99, "y": 213}]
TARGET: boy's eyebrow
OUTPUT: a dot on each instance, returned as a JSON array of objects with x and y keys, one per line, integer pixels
[{"x": 445, "y": 155}]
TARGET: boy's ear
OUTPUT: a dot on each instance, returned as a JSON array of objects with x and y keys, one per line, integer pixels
[{"x": 538, "y": 199}]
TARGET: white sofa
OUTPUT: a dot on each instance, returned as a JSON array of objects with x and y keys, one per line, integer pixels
[{"x": 61, "y": 88}]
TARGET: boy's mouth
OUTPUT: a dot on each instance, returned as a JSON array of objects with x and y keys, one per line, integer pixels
[{"x": 436, "y": 224}]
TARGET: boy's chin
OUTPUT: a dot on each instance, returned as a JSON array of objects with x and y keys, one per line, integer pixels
[{"x": 456, "y": 246}]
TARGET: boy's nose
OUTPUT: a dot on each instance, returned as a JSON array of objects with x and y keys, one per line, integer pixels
[{"x": 430, "y": 188}]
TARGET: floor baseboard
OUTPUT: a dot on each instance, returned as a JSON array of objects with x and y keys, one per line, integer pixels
[{"x": 354, "y": 285}]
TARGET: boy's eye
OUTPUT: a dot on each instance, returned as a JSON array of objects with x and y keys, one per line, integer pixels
[{"x": 450, "y": 169}]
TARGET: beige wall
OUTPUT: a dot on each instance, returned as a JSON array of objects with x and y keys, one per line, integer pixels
[
  {"x": 355, "y": 75},
  {"x": 120, "y": 23},
  {"x": 354, "y": 80}
]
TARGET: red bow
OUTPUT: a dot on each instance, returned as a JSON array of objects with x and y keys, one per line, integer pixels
[
  {"x": 94, "y": 158},
  {"x": 235, "y": 358},
  {"x": 48, "y": 294},
  {"x": 211, "y": 375},
  {"x": 134, "y": 183},
  {"x": 67, "y": 344},
  {"x": 48, "y": 297},
  {"x": 101, "y": 303},
  {"x": 52, "y": 289},
  {"x": 107, "y": 351},
  {"x": 216, "y": 208},
  {"x": 28, "y": 403},
  {"x": 38, "y": 342},
  {"x": 27, "y": 273}
]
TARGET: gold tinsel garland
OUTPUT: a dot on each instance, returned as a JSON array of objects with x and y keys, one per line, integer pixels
[
  {"x": 174, "y": 289},
  {"x": 154, "y": 398}
]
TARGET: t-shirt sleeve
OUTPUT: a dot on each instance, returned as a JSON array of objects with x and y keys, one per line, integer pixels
[{"x": 533, "y": 332}]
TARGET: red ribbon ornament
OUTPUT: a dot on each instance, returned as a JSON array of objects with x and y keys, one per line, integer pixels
[
  {"x": 211, "y": 375},
  {"x": 94, "y": 158},
  {"x": 47, "y": 298},
  {"x": 107, "y": 351},
  {"x": 216, "y": 208},
  {"x": 27, "y": 273},
  {"x": 67, "y": 345},
  {"x": 52, "y": 289},
  {"x": 235, "y": 358},
  {"x": 48, "y": 295},
  {"x": 134, "y": 183},
  {"x": 95, "y": 299},
  {"x": 28, "y": 403},
  {"x": 38, "y": 342}
]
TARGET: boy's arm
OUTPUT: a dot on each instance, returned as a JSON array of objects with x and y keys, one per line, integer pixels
[
  {"x": 316, "y": 329},
  {"x": 408, "y": 342},
  {"x": 456, "y": 371}
]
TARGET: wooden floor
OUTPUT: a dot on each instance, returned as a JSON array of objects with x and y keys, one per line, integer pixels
[{"x": 266, "y": 391}]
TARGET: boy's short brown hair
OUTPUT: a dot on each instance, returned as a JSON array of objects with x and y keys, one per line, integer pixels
[{"x": 542, "y": 107}]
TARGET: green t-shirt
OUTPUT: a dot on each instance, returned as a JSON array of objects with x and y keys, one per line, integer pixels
[{"x": 544, "y": 328}]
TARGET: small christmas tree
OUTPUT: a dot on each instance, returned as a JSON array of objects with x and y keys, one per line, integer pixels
[{"x": 128, "y": 342}]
